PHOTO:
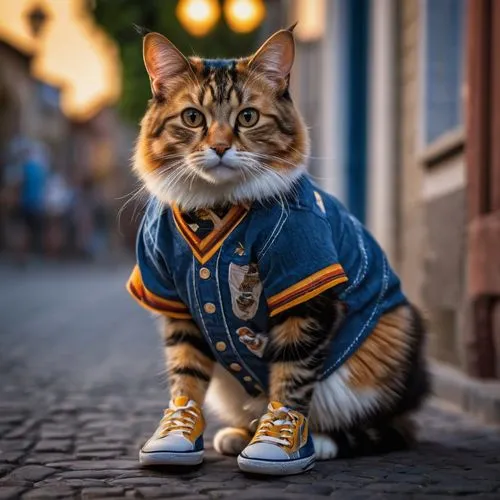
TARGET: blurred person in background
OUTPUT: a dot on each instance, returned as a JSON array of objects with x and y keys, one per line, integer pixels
[
  {"x": 10, "y": 193},
  {"x": 89, "y": 219},
  {"x": 100, "y": 211},
  {"x": 27, "y": 182},
  {"x": 57, "y": 204},
  {"x": 80, "y": 219}
]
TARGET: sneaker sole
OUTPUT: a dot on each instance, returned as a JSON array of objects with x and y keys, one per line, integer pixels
[
  {"x": 284, "y": 468},
  {"x": 170, "y": 458}
]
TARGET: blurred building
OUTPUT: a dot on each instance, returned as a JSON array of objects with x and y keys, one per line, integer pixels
[
  {"x": 29, "y": 108},
  {"x": 60, "y": 74},
  {"x": 27, "y": 105},
  {"x": 403, "y": 101}
]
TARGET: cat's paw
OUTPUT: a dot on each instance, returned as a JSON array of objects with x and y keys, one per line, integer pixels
[
  {"x": 231, "y": 440},
  {"x": 324, "y": 447}
]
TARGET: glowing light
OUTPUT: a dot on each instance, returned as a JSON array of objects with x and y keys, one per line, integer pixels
[
  {"x": 198, "y": 17},
  {"x": 198, "y": 11},
  {"x": 244, "y": 16}
]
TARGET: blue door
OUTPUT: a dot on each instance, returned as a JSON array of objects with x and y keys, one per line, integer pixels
[{"x": 356, "y": 119}]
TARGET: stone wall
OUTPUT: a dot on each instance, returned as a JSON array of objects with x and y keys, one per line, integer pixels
[{"x": 431, "y": 225}]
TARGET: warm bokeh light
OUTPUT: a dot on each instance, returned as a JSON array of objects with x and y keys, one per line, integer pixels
[
  {"x": 311, "y": 17},
  {"x": 198, "y": 17},
  {"x": 244, "y": 16},
  {"x": 71, "y": 52}
]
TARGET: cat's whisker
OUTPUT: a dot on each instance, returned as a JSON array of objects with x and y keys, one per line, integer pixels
[
  {"x": 133, "y": 196},
  {"x": 256, "y": 167},
  {"x": 132, "y": 193},
  {"x": 269, "y": 157},
  {"x": 177, "y": 176},
  {"x": 171, "y": 178}
]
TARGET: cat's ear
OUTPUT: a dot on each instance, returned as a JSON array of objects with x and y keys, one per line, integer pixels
[
  {"x": 275, "y": 57},
  {"x": 163, "y": 61}
]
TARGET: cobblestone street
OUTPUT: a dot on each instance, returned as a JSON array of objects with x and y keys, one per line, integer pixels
[{"x": 82, "y": 388}]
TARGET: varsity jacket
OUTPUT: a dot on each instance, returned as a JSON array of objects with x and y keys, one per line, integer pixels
[{"x": 256, "y": 262}]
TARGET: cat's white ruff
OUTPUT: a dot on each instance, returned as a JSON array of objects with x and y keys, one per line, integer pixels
[{"x": 199, "y": 192}]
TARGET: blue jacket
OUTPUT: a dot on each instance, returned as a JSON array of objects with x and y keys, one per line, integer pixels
[{"x": 259, "y": 261}]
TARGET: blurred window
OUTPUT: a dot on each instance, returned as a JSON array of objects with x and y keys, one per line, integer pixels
[{"x": 444, "y": 51}]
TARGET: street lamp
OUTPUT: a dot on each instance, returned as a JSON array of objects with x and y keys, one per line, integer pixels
[
  {"x": 244, "y": 16},
  {"x": 37, "y": 18},
  {"x": 198, "y": 17}
]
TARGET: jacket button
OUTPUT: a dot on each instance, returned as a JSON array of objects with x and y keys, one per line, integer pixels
[
  {"x": 235, "y": 367},
  {"x": 204, "y": 273},
  {"x": 247, "y": 378},
  {"x": 220, "y": 346},
  {"x": 209, "y": 308}
]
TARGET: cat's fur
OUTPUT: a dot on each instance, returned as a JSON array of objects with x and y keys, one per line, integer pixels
[{"x": 366, "y": 405}]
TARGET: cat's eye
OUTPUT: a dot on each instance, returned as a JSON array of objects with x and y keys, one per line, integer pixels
[
  {"x": 248, "y": 117},
  {"x": 192, "y": 118}
]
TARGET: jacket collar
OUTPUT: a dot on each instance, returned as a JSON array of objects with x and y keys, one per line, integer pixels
[{"x": 204, "y": 248}]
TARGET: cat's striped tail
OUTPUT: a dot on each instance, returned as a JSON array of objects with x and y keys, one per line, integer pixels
[{"x": 395, "y": 435}]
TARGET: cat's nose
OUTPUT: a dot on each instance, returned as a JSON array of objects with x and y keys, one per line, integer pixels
[{"x": 220, "y": 148}]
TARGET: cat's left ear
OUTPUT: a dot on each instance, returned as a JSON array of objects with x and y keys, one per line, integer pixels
[{"x": 275, "y": 57}]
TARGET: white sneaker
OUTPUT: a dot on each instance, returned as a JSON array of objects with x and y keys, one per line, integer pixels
[
  {"x": 178, "y": 440},
  {"x": 281, "y": 446}
]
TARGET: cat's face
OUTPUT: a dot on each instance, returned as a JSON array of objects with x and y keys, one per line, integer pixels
[{"x": 220, "y": 131}]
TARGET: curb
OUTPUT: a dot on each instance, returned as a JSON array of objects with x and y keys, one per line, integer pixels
[{"x": 480, "y": 398}]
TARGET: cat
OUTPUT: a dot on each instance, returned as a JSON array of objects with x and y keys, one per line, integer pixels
[{"x": 339, "y": 370}]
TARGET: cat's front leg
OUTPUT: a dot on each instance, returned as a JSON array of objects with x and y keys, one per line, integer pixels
[
  {"x": 300, "y": 338},
  {"x": 178, "y": 440},
  {"x": 189, "y": 360}
]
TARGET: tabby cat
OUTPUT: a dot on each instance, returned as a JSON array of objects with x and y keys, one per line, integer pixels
[{"x": 279, "y": 311}]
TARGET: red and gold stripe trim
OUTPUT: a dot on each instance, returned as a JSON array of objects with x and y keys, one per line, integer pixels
[
  {"x": 204, "y": 249},
  {"x": 172, "y": 308},
  {"x": 306, "y": 289}
]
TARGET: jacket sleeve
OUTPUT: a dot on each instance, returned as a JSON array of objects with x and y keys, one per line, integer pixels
[
  {"x": 301, "y": 263},
  {"x": 150, "y": 282}
]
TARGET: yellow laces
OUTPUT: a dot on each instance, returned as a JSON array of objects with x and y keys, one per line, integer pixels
[
  {"x": 180, "y": 420},
  {"x": 277, "y": 426}
]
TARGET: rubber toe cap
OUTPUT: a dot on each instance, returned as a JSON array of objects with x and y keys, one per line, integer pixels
[
  {"x": 264, "y": 451},
  {"x": 172, "y": 442}
]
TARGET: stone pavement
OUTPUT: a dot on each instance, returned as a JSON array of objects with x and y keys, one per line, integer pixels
[{"x": 81, "y": 388}]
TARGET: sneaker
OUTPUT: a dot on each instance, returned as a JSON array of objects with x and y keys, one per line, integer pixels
[
  {"x": 178, "y": 440},
  {"x": 281, "y": 445}
]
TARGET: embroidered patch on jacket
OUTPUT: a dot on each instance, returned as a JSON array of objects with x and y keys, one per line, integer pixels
[
  {"x": 319, "y": 202},
  {"x": 246, "y": 289},
  {"x": 256, "y": 342},
  {"x": 240, "y": 250}
]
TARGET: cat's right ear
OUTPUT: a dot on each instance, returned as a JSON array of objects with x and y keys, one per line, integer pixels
[
  {"x": 275, "y": 57},
  {"x": 164, "y": 62}
]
